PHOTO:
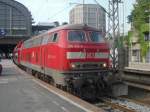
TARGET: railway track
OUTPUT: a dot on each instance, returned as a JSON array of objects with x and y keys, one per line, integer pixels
[
  {"x": 122, "y": 105},
  {"x": 117, "y": 106},
  {"x": 137, "y": 101},
  {"x": 110, "y": 106}
]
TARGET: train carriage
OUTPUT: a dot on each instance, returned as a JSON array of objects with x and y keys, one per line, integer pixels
[{"x": 16, "y": 53}]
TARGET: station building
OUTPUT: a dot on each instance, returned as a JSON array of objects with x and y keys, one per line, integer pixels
[{"x": 15, "y": 24}]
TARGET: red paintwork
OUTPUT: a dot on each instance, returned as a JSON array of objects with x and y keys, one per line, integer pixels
[
  {"x": 53, "y": 55},
  {"x": 17, "y": 51}
]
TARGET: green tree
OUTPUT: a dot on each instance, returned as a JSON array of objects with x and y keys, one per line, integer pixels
[
  {"x": 141, "y": 12},
  {"x": 140, "y": 16}
]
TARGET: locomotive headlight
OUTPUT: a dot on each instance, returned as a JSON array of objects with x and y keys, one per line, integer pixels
[
  {"x": 73, "y": 65},
  {"x": 104, "y": 64}
]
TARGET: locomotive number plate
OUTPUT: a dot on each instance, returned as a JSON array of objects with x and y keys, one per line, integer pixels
[{"x": 90, "y": 55}]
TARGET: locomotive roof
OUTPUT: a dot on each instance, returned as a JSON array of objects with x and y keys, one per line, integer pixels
[
  {"x": 74, "y": 27},
  {"x": 69, "y": 27}
]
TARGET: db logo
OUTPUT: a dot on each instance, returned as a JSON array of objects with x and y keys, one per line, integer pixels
[{"x": 90, "y": 55}]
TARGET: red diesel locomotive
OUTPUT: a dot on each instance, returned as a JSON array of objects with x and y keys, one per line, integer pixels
[{"x": 71, "y": 56}]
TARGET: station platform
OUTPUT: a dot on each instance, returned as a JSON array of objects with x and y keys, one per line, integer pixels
[
  {"x": 136, "y": 70},
  {"x": 137, "y": 67},
  {"x": 20, "y": 92},
  {"x": 137, "y": 75}
]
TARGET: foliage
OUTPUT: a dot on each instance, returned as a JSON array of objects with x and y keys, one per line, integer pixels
[
  {"x": 130, "y": 18},
  {"x": 127, "y": 39},
  {"x": 144, "y": 45},
  {"x": 144, "y": 27},
  {"x": 139, "y": 17},
  {"x": 140, "y": 13}
]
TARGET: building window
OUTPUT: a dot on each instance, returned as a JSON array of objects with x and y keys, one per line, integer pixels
[
  {"x": 147, "y": 36},
  {"x": 134, "y": 53}
]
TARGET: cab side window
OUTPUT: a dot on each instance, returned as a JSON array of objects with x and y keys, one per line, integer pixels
[{"x": 53, "y": 37}]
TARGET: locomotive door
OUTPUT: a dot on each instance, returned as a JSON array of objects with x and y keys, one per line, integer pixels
[
  {"x": 43, "y": 52},
  {"x": 43, "y": 60}
]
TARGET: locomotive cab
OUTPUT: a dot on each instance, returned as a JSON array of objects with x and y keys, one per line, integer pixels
[{"x": 86, "y": 50}]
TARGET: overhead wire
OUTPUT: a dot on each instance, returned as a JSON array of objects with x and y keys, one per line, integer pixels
[
  {"x": 60, "y": 11},
  {"x": 47, "y": 7},
  {"x": 39, "y": 9}
]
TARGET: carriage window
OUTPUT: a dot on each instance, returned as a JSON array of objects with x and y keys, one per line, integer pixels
[
  {"x": 96, "y": 37},
  {"x": 55, "y": 37},
  {"x": 36, "y": 42},
  {"x": 45, "y": 39},
  {"x": 28, "y": 44},
  {"x": 77, "y": 36}
]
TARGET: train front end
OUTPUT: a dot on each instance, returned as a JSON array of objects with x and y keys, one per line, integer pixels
[{"x": 87, "y": 63}]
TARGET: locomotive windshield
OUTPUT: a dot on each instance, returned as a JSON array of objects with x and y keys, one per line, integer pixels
[
  {"x": 96, "y": 37},
  {"x": 76, "y": 36}
]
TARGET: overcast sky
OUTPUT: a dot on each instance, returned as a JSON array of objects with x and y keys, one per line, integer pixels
[{"x": 58, "y": 10}]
